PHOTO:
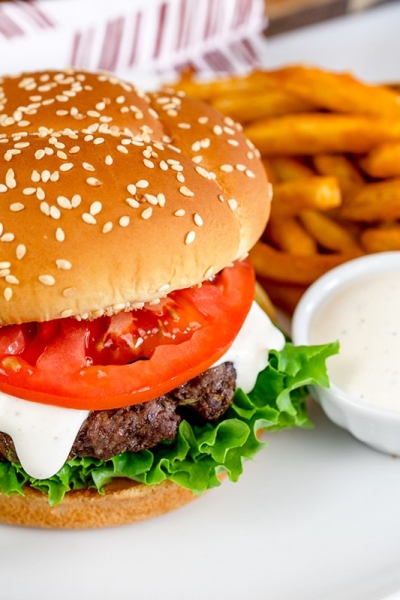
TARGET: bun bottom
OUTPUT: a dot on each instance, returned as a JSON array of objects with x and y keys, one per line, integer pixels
[{"x": 124, "y": 502}]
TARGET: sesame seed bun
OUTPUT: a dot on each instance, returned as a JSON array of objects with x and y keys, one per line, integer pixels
[
  {"x": 123, "y": 502},
  {"x": 111, "y": 198}
]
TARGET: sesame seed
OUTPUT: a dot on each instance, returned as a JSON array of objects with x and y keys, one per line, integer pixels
[
  {"x": 89, "y": 219},
  {"x": 7, "y": 237},
  {"x": 20, "y": 251},
  {"x": 55, "y": 212},
  {"x": 100, "y": 106},
  {"x": 142, "y": 183},
  {"x": 4, "y": 272},
  {"x": 63, "y": 264},
  {"x": 232, "y": 204},
  {"x": 7, "y": 294},
  {"x": 93, "y": 181},
  {"x": 161, "y": 199},
  {"x": 47, "y": 279},
  {"x": 226, "y": 168},
  {"x": 185, "y": 191},
  {"x": 88, "y": 167},
  {"x": 40, "y": 195},
  {"x": 180, "y": 178},
  {"x": 45, "y": 175},
  {"x": 163, "y": 165},
  {"x": 107, "y": 227},
  {"x": 233, "y": 142},
  {"x": 16, "y": 206},
  {"x": 203, "y": 172},
  {"x": 163, "y": 288},
  {"x": 132, "y": 202},
  {"x": 68, "y": 312},
  {"x": 55, "y": 176},
  {"x": 95, "y": 208},
  {"x": 146, "y": 214},
  {"x": 5, "y": 264},
  {"x": 74, "y": 150},
  {"x": 61, "y": 155},
  {"x": 151, "y": 199},
  {"x": 45, "y": 208},
  {"x": 240, "y": 167},
  {"x": 197, "y": 159},
  {"x": 184, "y": 125},
  {"x": 190, "y": 237},
  {"x": 131, "y": 188},
  {"x": 124, "y": 221},
  {"x": 66, "y": 167},
  {"x": 221, "y": 198},
  {"x": 63, "y": 202},
  {"x": 68, "y": 292},
  {"x": 122, "y": 149},
  {"x": 196, "y": 146},
  {"x": 203, "y": 120},
  {"x": 11, "y": 279},
  {"x": 60, "y": 235},
  {"x": 108, "y": 160},
  {"x": 208, "y": 273},
  {"x": 3, "y": 188},
  {"x": 148, "y": 163},
  {"x": 250, "y": 174},
  {"x": 229, "y": 130},
  {"x": 76, "y": 200},
  {"x": 29, "y": 191},
  {"x": 98, "y": 141},
  {"x": 10, "y": 179},
  {"x": 217, "y": 129},
  {"x": 179, "y": 213},
  {"x": 197, "y": 219}
]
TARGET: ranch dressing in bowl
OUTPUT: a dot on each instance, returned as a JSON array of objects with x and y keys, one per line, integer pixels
[
  {"x": 365, "y": 316},
  {"x": 358, "y": 304}
]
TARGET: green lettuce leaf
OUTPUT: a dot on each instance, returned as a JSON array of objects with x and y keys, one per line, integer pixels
[{"x": 200, "y": 454}]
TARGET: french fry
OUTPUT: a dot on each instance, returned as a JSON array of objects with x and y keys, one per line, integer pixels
[
  {"x": 287, "y": 168},
  {"x": 275, "y": 103},
  {"x": 381, "y": 239},
  {"x": 383, "y": 160},
  {"x": 282, "y": 266},
  {"x": 262, "y": 298},
  {"x": 282, "y": 294},
  {"x": 213, "y": 88},
  {"x": 291, "y": 197},
  {"x": 341, "y": 167},
  {"x": 318, "y": 133},
  {"x": 339, "y": 92},
  {"x": 289, "y": 235},
  {"x": 374, "y": 202},
  {"x": 328, "y": 233}
]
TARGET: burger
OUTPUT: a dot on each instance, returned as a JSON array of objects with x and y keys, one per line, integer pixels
[{"x": 135, "y": 368}]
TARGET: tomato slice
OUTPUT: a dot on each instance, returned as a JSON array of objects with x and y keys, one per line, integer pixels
[{"x": 130, "y": 357}]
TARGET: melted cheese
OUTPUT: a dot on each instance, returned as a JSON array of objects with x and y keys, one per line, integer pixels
[{"x": 43, "y": 435}]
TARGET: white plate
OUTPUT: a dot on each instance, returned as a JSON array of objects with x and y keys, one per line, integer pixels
[{"x": 314, "y": 517}]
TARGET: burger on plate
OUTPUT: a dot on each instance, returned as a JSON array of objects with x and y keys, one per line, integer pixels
[{"x": 135, "y": 367}]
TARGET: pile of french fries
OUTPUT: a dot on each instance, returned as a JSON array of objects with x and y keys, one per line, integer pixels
[{"x": 331, "y": 147}]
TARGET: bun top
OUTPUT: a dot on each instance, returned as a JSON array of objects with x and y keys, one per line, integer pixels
[{"x": 110, "y": 198}]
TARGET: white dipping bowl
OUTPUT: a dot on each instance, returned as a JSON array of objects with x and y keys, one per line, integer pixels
[{"x": 375, "y": 426}]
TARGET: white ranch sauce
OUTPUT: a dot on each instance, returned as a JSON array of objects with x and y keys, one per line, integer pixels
[
  {"x": 43, "y": 435},
  {"x": 365, "y": 317}
]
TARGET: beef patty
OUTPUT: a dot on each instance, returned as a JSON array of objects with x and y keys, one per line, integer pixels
[{"x": 106, "y": 433}]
